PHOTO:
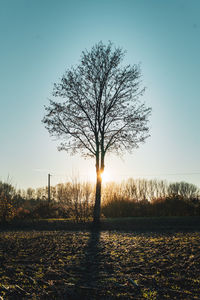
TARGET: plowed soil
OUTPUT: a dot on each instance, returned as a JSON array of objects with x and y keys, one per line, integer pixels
[{"x": 99, "y": 265}]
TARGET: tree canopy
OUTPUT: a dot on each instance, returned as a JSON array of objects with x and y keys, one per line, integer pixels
[{"x": 100, "y": 105}]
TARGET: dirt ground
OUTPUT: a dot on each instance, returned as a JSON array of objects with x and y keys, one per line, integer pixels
[{"x": 99, "y": 265}]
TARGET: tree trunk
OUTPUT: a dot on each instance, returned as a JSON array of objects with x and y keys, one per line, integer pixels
[{"x": 97, "y": 206}]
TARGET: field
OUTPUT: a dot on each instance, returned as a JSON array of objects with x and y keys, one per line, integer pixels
[{"x": 106, "y": 264}]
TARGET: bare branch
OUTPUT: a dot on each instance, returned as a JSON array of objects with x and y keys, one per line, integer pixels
[{"x": 99, "y": 110}]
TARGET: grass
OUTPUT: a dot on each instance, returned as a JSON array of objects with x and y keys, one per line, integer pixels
[
  {"x": 138, "y": 224},
  {"x": 157, "y": 224}
]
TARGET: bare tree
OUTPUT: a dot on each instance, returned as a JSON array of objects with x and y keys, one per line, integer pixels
[
  {"x": 99, "y": 110},
  {"x": 184, "y": 189}
]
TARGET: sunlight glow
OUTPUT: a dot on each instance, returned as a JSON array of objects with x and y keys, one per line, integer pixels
[{"x": 106, "y": 177}]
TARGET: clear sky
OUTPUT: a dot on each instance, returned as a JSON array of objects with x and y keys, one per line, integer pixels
[{"x": 41, "y": 39}]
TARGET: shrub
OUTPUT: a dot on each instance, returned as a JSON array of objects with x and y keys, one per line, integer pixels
[
  {"x": 119, "y": 207},
  {"x": 22, "y": 213},
  {"x": 49, "y": 210},
  {"x": 7, "y": 211}
]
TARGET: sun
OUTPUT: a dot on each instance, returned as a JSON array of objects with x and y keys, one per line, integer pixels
[{"x": 105, "y": 177}]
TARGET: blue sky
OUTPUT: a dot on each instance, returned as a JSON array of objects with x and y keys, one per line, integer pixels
[{"x": 41, "y": 39}]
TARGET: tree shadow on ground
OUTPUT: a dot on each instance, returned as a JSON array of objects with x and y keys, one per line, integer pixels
[
  {"x": 90, "y": 265},
  {"x": 86, "y": 286}
]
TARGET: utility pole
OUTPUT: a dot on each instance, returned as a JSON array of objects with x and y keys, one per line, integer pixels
[{"x": 49, "y": 186}]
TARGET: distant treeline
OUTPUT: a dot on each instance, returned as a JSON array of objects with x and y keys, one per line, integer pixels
[{"x": 75, "y": 200}]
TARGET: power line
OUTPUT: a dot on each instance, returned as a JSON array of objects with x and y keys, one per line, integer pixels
[
  {"x": 167, "y": 174},
  {"x": 54, "y": 174},
  {"x": 138, "y": 174}
]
